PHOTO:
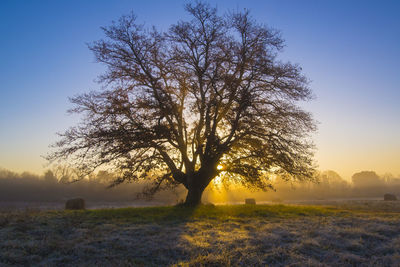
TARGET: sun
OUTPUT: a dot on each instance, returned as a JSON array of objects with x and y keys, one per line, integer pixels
[
  {"x": 220, "y": 167},
  {"x": 218, "y": 179}
]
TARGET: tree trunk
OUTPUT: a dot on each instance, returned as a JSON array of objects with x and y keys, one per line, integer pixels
[
  {"x": 193, "y": 197},
  {"x": 196, "y": 183}
]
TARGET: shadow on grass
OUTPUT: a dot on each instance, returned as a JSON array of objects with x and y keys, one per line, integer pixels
[{"x": 156, "y": 236}]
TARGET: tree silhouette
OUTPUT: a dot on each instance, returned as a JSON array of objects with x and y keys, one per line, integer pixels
[{"x": 207, "y": 98}]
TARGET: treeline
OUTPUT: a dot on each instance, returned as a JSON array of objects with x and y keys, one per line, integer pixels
[
  {"x": 365, "y": 184},
  {"x": 58, "y": 185},
  {"x": 329, "y": 185}
]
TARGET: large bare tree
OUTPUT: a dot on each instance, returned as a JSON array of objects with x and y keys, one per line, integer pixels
[{"x": 207, "y": 98}]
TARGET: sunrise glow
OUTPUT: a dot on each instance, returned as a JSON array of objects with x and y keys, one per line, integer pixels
[{"x": 199, "y": 133}]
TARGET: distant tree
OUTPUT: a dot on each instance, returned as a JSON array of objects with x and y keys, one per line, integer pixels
[
  {"x": 331, "y": 179},
  {"x": 367, "y": 179},
  {"x": 390, "y": 179},
  {"x": 64, "y": 174},
  {"x": 104, "y": 177},
  {"x": 49, "y": 177},
  {"x": 207, "y": 98}
]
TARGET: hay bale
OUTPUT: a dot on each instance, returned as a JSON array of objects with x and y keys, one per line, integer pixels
[
  {"x": 250, "y": 201},
  {"x": 389, "y": 197},
  {"x": 3, "y": 221},
  {"x": 75, "y": 204}
]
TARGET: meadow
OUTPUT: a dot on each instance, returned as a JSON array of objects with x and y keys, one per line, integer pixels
[{"x": 228, "y": 235}]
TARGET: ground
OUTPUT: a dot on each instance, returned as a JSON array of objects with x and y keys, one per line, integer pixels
[{"x": 238, "y": 235}]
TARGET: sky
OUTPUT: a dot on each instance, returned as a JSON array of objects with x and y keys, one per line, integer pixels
[{"x": 350, "y": 50}]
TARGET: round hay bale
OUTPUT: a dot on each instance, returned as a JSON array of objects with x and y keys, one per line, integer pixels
[
  {"x": 250, "y": 201},
  {"x": 75, "y": 204},
  {"x": 389, "y": 197}
]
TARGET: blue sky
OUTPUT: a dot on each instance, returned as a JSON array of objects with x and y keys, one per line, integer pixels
[{"x": 350, "y": 50}]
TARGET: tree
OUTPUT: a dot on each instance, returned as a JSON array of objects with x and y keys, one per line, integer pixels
[
  {"x": 49, "y": 177},
  {"x": 207, "y": 98},
  {"x": 367, "y": 179}
]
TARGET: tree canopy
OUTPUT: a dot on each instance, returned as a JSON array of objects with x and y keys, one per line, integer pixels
[{"x": 206, "y": 98}]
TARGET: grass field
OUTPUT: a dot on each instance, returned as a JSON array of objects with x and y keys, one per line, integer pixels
[{"x": 239, "y": 235}]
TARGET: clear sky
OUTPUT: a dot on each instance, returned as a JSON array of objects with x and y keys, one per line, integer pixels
[{"x": 350, "y": 50}]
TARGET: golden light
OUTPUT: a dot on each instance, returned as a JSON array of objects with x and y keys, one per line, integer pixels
[
  {"x": 217, "y": 193},
  {"x": 220, "y": 167},
  {"x": 217, "y": 180}
]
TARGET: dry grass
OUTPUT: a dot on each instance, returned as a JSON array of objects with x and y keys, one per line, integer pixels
[{"x": 272, "y": 235}]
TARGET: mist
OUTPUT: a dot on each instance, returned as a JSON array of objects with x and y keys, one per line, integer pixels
[
  {"x": 329, "y": 185},
  {"x": 56, "y": 186}
]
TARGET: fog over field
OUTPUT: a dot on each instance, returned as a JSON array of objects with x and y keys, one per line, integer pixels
[{"x": 53, "y": 188}]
